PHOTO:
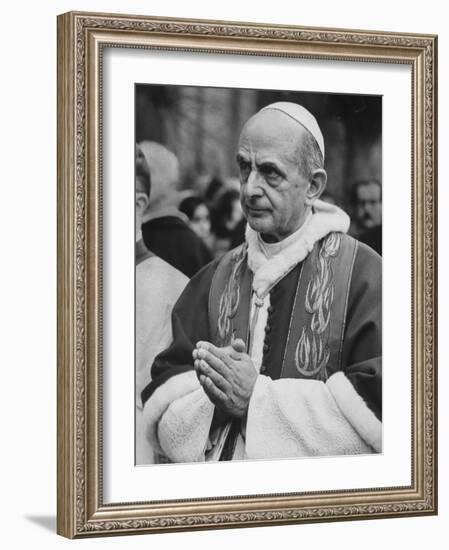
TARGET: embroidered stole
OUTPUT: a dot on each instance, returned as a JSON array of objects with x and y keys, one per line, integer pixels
[{"x": 315, "y": 335}]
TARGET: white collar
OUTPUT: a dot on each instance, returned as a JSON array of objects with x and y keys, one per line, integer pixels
[
  {"x": 270, "y": 263},
  {"x": 271, "y": 249}
]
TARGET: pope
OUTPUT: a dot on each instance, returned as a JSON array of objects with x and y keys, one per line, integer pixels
[{"x": 276, "y": 349}]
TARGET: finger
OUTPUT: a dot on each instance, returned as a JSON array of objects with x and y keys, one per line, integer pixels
[
  {"x": 195, "y": 354},
  {"x": 215, "y": 376},
  {"x": 196, "y": 364},
  {"x": 214, "y": 393},
  {"x": 217, "y": 364},
  {"x": 223, "y": 354},
  {"x": 239, "y": 345},
  {"x": 210, "y": 396},
  {"x": 202, "y": 344}
]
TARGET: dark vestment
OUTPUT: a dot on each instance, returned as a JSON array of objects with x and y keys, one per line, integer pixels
[
  {"x": 319, "y": 388},
  {"x": 373, "y": 238},
  {"x": 361, "y": 351},
  {"x": 238, "y": 233},
  {"x": 170, "y": 238}
]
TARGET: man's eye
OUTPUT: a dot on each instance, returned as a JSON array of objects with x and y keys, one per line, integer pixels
[
  {"x": 245, "y": 169},
  {"x": 270, "y": 172}
]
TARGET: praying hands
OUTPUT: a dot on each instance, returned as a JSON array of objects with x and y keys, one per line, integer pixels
[{"x": 227, "y": 375}]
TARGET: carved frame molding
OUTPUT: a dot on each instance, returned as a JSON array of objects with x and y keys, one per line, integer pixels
[{"x": 81, "y": 38}]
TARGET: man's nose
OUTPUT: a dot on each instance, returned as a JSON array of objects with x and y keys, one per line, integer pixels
[{"x": 253, "y": 185}]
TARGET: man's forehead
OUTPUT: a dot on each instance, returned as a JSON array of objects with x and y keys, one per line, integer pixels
[{"x": 271, "y": 131}]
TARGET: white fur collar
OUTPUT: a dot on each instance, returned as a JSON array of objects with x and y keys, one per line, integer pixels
[{"x": 268, "y": 271}]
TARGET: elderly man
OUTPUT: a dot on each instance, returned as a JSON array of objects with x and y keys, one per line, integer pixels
[{"x": 277, "y": 346}]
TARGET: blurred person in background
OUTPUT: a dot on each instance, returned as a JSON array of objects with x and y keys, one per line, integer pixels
[
  {"x": 158, "y": 286},
  {"x": 164, "y": 228},
  {"x": 226, "y": 217},
  {"x": 213, "y": 190},
  {"x": 366, "y": 198},
  {"x": 196, "y": 210}
]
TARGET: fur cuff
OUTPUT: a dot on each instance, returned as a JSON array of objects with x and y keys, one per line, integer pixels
[
  {"x": 155, "y": 407},
  {"x": 183, "y": 430},
  {"x": 177, "y": 418},
  {"x": 290, "y": 418},
  {"x": 355, "y": 410}
]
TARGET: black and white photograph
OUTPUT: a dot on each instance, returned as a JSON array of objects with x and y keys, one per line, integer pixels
[
  {"x": 258, "y": 274},
  {"x": 247, "y": 282}
]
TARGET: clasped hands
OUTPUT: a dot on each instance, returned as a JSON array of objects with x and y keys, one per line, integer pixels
[{"x": 227, "y": 375}]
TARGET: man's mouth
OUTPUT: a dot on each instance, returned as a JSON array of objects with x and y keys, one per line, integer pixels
[{"x": 256, "y": 209}]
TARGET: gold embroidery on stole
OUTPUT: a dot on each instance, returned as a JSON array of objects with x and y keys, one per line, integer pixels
[
  {"x": 229, "y": 300},
  {"x": 312, "y": 351}
]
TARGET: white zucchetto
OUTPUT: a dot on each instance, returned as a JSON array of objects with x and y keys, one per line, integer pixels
[{"x": 301, "y": 115}]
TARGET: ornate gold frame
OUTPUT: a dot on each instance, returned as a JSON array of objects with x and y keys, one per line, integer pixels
[{"x": 81, "y": 37}]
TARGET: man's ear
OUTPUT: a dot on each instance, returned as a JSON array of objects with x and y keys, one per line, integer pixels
[
  {"x": 317, "y": 185},
  {"x": 142, "y": 201}
]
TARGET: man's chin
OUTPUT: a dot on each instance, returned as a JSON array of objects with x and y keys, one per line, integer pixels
[{"x": 259, "y": 224}]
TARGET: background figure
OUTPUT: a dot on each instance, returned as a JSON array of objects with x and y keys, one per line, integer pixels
[
  {"x": 197, "y": 211},
  {"x": 164, "y": 229},
  {"x": 367, "y": 213},
  {"x": 158, "y": 286},
  {"x": 226, "y": 217},
  {"x": 213, "y": 190}
]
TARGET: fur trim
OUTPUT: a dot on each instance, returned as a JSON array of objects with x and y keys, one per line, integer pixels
[
  {"x": 183, "y": 430},
  {"x": 325, "y": 219},
  {"x": 355, "y": 410},
  {"x": 290, "y": 418},
  {"x": 182, "y": 397}
]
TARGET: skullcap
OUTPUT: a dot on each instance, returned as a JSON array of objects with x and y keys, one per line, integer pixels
[{"x": 301, "y": 115}]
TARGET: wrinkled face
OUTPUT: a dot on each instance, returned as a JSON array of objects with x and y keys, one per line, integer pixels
[
  {"x": 273, "y": 192},
  {"x": 369, "y": 205},
  {"x": 200, "y": 222}
]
